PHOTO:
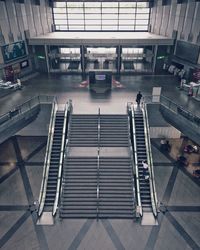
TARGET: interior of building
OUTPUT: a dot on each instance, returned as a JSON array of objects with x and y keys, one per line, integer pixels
[{"x": 100, "y": 124}]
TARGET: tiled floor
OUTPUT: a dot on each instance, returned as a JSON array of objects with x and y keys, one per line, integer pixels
[{"x": 21, "y": 163}]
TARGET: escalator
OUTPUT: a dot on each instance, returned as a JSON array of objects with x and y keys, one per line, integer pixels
[
  {"x": 142, "y": 155},
  {"x": 52, "y": 172},
  {"x": 54, "y": 162},
  {"x": 145, "y": 188}
]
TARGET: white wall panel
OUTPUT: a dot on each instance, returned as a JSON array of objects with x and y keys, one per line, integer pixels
[
  {"x": 24, "y": 17},
  {"x": 172, "y": 17},
  {"x": 158, "y": 19},
  {"x": 153, "y": 18},
  {"x": 167, "y": 132},
  {"x": 29, "y": 14},
  {"x": 36, "y": 19},
  {"x": 165, "y": 20},
  {"x": 5, "y": 30}
]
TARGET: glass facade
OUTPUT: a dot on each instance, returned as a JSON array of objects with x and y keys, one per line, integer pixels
[{"x": 101, "y": 16}]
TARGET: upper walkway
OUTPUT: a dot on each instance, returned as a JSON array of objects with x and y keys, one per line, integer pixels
[{"x": 101, "y": 38}]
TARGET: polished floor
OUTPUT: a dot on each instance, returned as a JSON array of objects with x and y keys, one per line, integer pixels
[
  {"x": 21, "y": 163},
  {"x": 67, "y": 87}
]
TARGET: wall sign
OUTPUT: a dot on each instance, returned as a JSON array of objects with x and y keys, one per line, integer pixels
[{"x": 13, "y": 51}]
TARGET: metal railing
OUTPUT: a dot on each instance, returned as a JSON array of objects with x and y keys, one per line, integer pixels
[
  {"x": 42, "y": 195},
  {"x": 139, "y": 204},
  {"x": 154, "y": 201},
  {"x": 67, "y": 110},
  {"x": 180, "y": 110},
  {"x": 98, "y": 162},
  {"x": 176, "y": 108},
  {"x": 24, "y": 107}
]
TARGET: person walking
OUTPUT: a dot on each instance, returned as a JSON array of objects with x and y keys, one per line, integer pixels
[{"x": 138, "y": 98}]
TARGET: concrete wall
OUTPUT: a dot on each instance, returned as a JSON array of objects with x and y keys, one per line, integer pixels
[
  {"x": 180, "y": 21},
  {"x": 18, "y": 19},
  {"x": 167, "y": 132},
  {"x": 183, "y": 18}
]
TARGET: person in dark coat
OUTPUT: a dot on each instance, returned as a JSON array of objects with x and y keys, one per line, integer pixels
[{"x": 138, "y": 97}]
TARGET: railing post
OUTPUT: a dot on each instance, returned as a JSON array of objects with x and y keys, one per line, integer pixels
[{"x": 98, "y": 163}]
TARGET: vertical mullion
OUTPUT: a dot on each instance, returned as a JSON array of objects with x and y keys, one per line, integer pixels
[
  {"x": 149, "y": 19},
  {"x": 66, "y": 6},
  {"x": 118, "y": 17},
  {"x": 53, "y": 15},
  {"x": 101, "y": 16},
  {"x": 84, "y": 14},
  {"x": 136, "y": 8}
]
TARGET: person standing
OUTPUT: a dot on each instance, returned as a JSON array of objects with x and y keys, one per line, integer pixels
[
  {"x": 145, "y": 169},
  {"x": 138, "y": 97}
]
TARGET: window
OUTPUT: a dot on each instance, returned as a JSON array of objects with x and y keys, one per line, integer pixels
[{"x": 90, "y": 15}]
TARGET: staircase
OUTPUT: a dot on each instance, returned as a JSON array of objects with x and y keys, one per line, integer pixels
[
  {"x": 141, "y": 155},
  {"x": 115, "y": 188},
  {"x": 98, "y": 185},
  {"x": 83, "y": 131},
  {"x": 54, "y": 162},
  {"x": 79, "y": 194},
  {"x": 114, "y": 131}
]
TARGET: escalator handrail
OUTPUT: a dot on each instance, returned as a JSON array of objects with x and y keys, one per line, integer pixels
[
  {"x": 68, "y": 108},
  {"x": 154, "y": 201},
  {"x": 136, "y": 162},
  {"x": 42, "y": 195},
  {"x": 66, "y": 148},
  {"x": 131, "y": 157}
]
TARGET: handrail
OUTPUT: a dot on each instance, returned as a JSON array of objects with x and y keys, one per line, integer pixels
[
  {"x": 47, "y": 158},
  {"x": 67, "y": 109},
  {"x": 66, "y": 150},
  {"x": 154, "y": 201},
  {"x": 98, "y": 163},
  {"x": 131, "y": 156},
  {"x": 139, "y": 207},
  {"x": 176, "y": 108},
  {"x": 22, "y": 108}
]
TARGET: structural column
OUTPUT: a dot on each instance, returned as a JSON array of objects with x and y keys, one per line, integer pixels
[
  {"x": 118, "y": 58},
  {"x": 47, "y": 57},
  {"x": 83, "y": 62},
  {"x": 155, "y": 57}
]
